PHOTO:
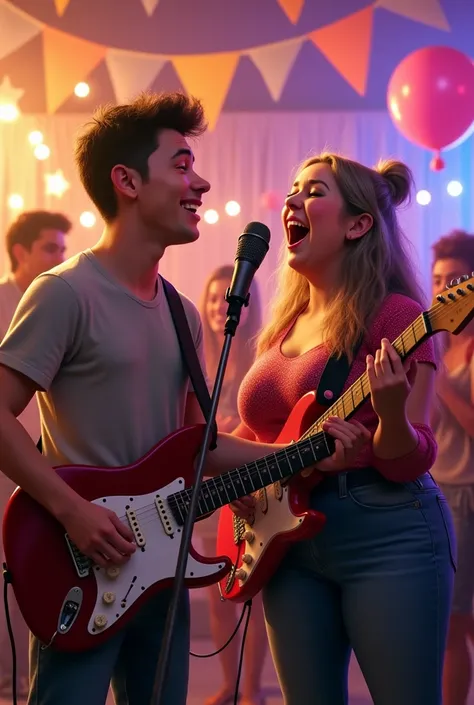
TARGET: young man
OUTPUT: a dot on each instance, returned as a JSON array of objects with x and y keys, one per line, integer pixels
[
  {"x": 34, "y": 243},
  {"x": 95, "y": 338}
]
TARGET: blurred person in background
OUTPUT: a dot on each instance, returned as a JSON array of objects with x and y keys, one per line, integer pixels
[
  {"x": 453, "y": 423},
  {"x": 35, "y": 243},
  {"x": 223, "y": 614}
]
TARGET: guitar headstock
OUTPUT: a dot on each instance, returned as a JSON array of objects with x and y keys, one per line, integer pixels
[{"x": 454, "y": 308}]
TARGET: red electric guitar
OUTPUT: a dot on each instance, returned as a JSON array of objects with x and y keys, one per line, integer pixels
[
  {"x": 282, "y": 515},
  {"x": 72, "y": 604}
]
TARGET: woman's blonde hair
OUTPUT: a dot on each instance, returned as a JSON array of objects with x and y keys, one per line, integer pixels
[
  {"x": 244, "y": 343},
  {"x": 372, "y": 266}
]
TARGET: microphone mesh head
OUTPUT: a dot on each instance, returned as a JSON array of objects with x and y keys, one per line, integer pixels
[{"x": 253, "y": 243}]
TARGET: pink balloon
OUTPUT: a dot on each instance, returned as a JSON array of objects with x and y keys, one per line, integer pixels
[
  {"x": 272, "y": 201},
  {"x": 430, "y": 98}
]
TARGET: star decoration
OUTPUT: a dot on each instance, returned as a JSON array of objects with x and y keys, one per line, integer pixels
[
  {"x": 56, "y": 184},
  {"x": 9, "y": 96}
]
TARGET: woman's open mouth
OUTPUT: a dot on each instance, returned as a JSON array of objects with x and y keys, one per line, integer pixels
[{"x": 296, "y": 232}]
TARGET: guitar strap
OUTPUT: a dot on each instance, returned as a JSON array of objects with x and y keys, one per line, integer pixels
[
  {"x": 334, "y": 377},
  {"x": 188, "y": 352}
]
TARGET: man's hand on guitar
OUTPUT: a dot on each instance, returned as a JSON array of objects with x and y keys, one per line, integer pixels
[
  {"x": 99, "y": 534},
  {"x": 351, "y": 437}
]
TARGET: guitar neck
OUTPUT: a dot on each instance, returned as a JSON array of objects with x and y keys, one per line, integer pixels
[
  {"x": 223, "y": 489},
  {"x": 359, "y": 391}
]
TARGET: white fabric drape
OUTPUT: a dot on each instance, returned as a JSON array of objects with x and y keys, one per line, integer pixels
[{"x": 247, "y": 155}]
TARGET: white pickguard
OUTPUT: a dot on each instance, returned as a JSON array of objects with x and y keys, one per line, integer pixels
[
  {"x": 279, "y": 519},
  {"x": 146, "y": 567}
]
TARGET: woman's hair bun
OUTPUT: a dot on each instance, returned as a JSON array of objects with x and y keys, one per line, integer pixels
[{"x": 399, "y": 178}]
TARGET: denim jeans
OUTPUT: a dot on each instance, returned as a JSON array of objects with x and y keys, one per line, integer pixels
[
  {"x": 377, "y": 579},
  {"x": 129, "y": 659}
]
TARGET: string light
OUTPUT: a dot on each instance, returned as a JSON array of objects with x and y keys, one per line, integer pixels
[
  {"x": 15, "y": 202},
  {"x": 423, "y": 197},
  {"x": 211, "y": 216},
  {"x": 82, "y": 89},
  {"x": 35, "y": 138},
  {"x": 232, "y": 208},
  {"x": 87, "y": 219},
  {"x": 41, "y": 152}
]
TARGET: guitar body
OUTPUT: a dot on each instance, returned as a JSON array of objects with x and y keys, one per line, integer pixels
[
  {"x": 282, "y": 517},
  {"x": 45, "y": 580}
]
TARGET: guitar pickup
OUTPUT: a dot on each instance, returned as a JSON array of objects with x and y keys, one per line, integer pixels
[
  {"x": 164, "y": 515},
  {"x": 135, "y": 527}
]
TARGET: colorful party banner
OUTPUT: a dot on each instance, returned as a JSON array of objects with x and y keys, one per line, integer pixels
[
  {"x": 207, "y": 77},
  {"x": 67, "y": 60},
  {"x": 427, "y": 12},
  {"x": 16, "y": 29},
  {"x": 292, "y": 9},
  {"x": 275, "y": 63},
  {"x": 132, "y": 73},
  {"x": 346, "y": 45},
  {"x": 61, "y": 6},
  {"x": 150, "y": 6}
]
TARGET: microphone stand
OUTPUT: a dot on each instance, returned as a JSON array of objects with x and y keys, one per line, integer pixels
[{"x": 233, "y": 319}]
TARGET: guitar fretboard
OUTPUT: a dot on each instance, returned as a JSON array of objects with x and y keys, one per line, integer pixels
[{"x": 226, "y": 488}]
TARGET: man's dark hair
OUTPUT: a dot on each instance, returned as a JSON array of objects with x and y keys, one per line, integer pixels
[
  {"x": 457, "y": 245},
  {"x": 128, "y": 135},
  {"x": 26, "y": 229}
]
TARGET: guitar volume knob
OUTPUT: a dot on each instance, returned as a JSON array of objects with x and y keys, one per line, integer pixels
[
  {"x": 108, "y": 598},
  {"x": 248, "y": 536},
  {"x": 112, "y": 572},
  {"x": 247, "y": 558},
  {"x": 100, "y": 621},
  {"x": 241, "y": 574}
]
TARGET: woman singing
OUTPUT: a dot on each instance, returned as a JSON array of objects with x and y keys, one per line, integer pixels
[{"x": 378, "y": 578}]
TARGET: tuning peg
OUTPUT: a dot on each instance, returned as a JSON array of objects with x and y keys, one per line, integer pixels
[{"x": 465, "y": 277}]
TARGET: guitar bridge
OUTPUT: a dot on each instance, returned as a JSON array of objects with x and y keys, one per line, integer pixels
[{"x": 82, "y": 563}]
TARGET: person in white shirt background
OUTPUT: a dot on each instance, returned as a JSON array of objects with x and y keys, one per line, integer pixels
[{"x": 35, "y": 243}]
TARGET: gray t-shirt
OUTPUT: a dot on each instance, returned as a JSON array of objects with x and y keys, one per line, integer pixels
[{"x": 108, "y": 364}]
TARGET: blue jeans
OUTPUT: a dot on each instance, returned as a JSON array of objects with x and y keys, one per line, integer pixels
[
  {"x": 377, "y": 579},
  {"x": 129, "y": 660}
]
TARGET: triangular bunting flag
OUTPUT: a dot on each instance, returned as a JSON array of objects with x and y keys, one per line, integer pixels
[
  {"x": 346, "y": 44},
  {"x": 132, "y": 73},
  {"x": 275, "y": 63},
  {"x": 207, "y": 77},
  {"x": 292, "y": 9},
  {"x": 67, "y": 60},
  {"x": 427, "y": 12},
  {"x": 150, "y": 6},
  {"x": 16, "y": 29},
  {"x": 61, "y": 6}
]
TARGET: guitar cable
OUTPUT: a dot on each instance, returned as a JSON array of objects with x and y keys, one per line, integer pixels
[
  {"x": 7, "y": 579},
  {"x": 247, "y": 608}
]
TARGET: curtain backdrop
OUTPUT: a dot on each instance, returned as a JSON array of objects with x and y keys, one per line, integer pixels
[{"x": 248, "y": 154}]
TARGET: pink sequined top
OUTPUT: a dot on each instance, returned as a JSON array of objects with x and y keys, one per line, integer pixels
[{"x": 275, "y": 383}]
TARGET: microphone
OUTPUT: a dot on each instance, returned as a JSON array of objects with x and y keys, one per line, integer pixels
[{"x": 252, "y": 247}]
